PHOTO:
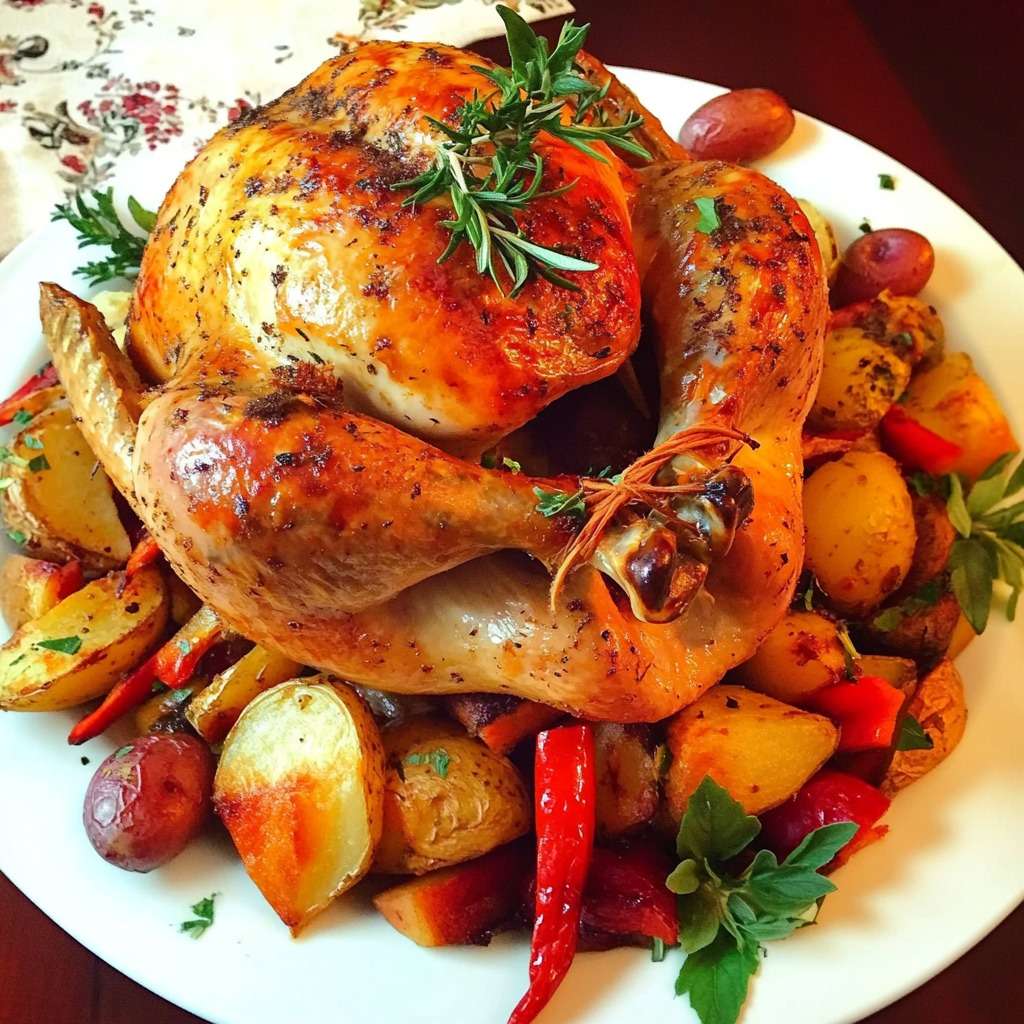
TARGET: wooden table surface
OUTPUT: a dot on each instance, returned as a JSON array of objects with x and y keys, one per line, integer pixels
[{"x": 940, "y": 93}]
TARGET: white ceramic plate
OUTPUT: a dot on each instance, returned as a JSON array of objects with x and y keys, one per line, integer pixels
[{"x": 949, "y": 871}]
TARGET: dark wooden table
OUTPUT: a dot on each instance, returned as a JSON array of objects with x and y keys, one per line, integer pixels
[{"x": 941, "y": 92}]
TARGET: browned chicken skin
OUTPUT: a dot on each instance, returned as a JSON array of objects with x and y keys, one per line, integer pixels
[{"x": 304, "y": 478}]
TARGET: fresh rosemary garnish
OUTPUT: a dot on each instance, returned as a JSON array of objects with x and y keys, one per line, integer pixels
[
  {"x": 100, "y": 225},
  {"x": 487, "y": 165}
]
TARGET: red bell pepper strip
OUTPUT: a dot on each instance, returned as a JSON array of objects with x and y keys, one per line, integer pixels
[
  {"x": 145, "y": 552},
  {"x": 45, "y": 378},
  {"x": 70, "y": 579},
  {"x": 173, "y": 664},
  {"x": 914, "y": 446},
  {"x": 828, "y": 798},
  {"x": 565, "y": 803},
  {"x": 866, "y": 711}
]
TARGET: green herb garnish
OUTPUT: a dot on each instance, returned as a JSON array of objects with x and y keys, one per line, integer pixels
[
  {"x": 886, "y": 181},
  {"x": 487, "y": 166},
  {"x": 991, "y": 542},
  {"x": 850, "y": 653},
  {"x": 122, "y": 751},
  {"x": 925, "y": 597},
  {"x": 912, "y": 735},
  {"x": 99, "y": 225},
  {"x": 438, "y": 760},
  {"x": 657, "y": 950},
  {"x": 6, "y": 482},
  {"x": 203, "y": 919},
  {"x": 556, "y": 503},
  {"x": 18, "y": 536},
  {"x": 31, "y": 441},
  {"x": 62, "y": 644},
  {"x": 865, "y": 227},
  {"x": 22, "y": 417},
  {"x": 708, "y": 221},
  {"x": 38, "y": 464},
  {"x": 724, "y": 918},
  {"x": 185, "y": 646},
  {"x": 512, "y": 465},
  {"x": 8, "y": 457}
]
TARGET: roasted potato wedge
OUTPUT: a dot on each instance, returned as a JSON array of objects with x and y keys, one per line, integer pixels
[
  {"x": 165, "y": 712},
  {"x": 29, "y": 587},
  {"x": 935, "y": 536},
  {"x": 462, "y": 904},
  {"x": 100, "y": 632},
  {"x": 216, "y": 709},
  {"x": 626, "y": 768},
  {"x": 797, "y": 658},
  {"x": 910, "y": 327},
  {"x": 761, "y": 750},
  {"x": 899, "y": 672},
  {"x": 299, "y": 787},
  {"x": 447, "y": 798},
  {"x": 939, "y": 706},
  {"x": 59, "y": 500},
  {"x": 860, "y": 530},
  {"x": 823, "y": 235},
  {"x": 924, "y": 635},
  {"x": 953, "y": 400},
  {"x": 963, "y": 634}
]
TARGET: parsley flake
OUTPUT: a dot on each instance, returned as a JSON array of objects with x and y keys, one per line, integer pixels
[
  {"x": 865, "y": 227},
  {"x": 438, "y": 760},
  {"x": 203, "y": 919},
  {"x": 185, "y": 646},
  {"x": 556, "y": 503},
  {"x": 886, "y": 181},
  {"x": 512, "y": 465},
  {"x": 62, "y": 644},
  {"x": 31, "y": 441},
  {"x": 38, "y": 464},
  {"x": 708, "y": 220},
  {"x": 912, "y": 736},
  {"x": 18, "y": 536},
  {"x": 22, "y": 417}
]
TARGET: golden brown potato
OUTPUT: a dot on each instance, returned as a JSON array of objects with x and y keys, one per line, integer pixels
[
  {"x": 216, "y": 709},
  {"x": 889, "y": 259},
  {"x": 823, "y": 235},
  {"x": 963, "y": 634},
  {"x": 860, "y": 530},
  {"x": 447, "y": 798},
  {"x": 626, "y": 767},
  {"x": 79, "y": 649},
  {"x": 935, "y": 536},
  {"x": 29, "y": 587},
  {"x": 952, "y": 400},
  {"x": 184, "y": 603},
  {"x": 899, "y": 672},
  {"x": 910, "y": 327},
  {"x": 860, "y": 380},
  {"x": 761, "y": 750},
  {"x": 940, "y": 708},
  {"x": 797, "y": 658},
  {"x": 299, "y": 787},
  {"x": 58, "y": 498},
  {"x": 924, "y": 634},
  {"x": 165, "y": 712}
]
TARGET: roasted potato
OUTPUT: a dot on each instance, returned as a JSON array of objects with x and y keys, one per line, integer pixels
[
  {"x": 184, "y": 603},
  {"x": 626, "y": 768},
  {"x": 924, "y": 634},
  {"x": 860, "y": 530},
  {"x": 761, "y": 750},
  {"x": 860, "y": 380},
  {"x": 501, "y": 721},
  {"x": 823, "y": 235},
  {"x": 462, "y": 904},
  {"x": 148, "y": 800},
  {"x": 59, "y": 500},
  {"x": 910, "y": 327},
  {"x": 738, "y": 126},
  {"x": 891, "y": 259},
  {"x": 898, "y": 672},
  {"x": 939, "y": 706},
  {"x": 79, "y": 649},
  {"x": 29, "y": 587},
  {"x": 952, "y": 400},
  {"x": 216, "y": 709},
  {"x": 797, "y": 658},
  {"x": 299, "y": 787},
  {"x": 963, "y": 634},
  {"x": 165, "y": 712},
  {"x": 447, "y": 798},
  {"x": 935, "y": 536},
  {"x": 113, "y": 307}
]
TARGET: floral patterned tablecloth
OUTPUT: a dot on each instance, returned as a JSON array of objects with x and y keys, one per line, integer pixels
[{"x": 86, "y": 85}]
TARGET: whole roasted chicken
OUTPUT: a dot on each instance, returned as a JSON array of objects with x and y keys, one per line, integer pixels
[{"x": 307, "y": 392}]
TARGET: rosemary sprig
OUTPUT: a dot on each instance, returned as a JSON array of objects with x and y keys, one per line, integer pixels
[
  {"x": 487, "y": 166},
  {"x": 100, "y": 225}
]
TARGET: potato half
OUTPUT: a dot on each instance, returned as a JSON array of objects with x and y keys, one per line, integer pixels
[
  {"x": 30, "y": 587},
  {"x": 101, "y": 633},
  {"x": 761, "y": 750},
  {"x": 65, "y": 508},
  {"x": 299, "y": 787},
  {"x": 448, "y": 797}
]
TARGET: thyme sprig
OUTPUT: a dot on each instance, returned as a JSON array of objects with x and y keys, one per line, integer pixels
[{"x": 487, "y": 165}]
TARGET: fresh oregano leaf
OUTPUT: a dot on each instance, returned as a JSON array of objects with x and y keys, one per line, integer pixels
[{"x": 716, "y": 979}]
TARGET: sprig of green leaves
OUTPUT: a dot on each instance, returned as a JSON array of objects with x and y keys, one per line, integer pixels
[
  {"x": 487, "y": 166},
  {"x": 990, "y": 545},
  {"x": 724, "y": 918},
  {"x": 100, "y": 225},
  {"x": 557, "y": 503}
]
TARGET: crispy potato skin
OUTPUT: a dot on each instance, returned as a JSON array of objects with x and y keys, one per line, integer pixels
[
  {"x": 434, "y": 819},
  {"x": 860, "y": 530},
  {"x": 30, "y": 587},
  {"x": 908, "y": 326},
  {"x": 299, "y": 788},
  {"x": 940, "y": 707},
  {"x": 761, "y": 750},
  {"x": 116, "y": 628},
  {"x": 935, "y": 536},
  {"x": 66, "y": 510},
  {"x": 626, "y": 768},
  {"x": 799, "y": 657},
  {"x": 924, "y": 635},
  {"x": 900, "y": 672}
]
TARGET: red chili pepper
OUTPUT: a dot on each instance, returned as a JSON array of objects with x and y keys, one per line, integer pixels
[
  {"x": 865, "y": 710},
  {"x": 127, "y": 694},
  {"x": 828, "y": 798},
  {"x": 145, "y": 552},
  {"x": 70, "y": 579},
  {"x": 914, "y": 446},
  {"x": 45, "y": 378},
  {"x": 564, "y": 811}
]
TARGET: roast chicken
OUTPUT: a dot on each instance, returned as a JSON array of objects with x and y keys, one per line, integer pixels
[{"x": 307, "y": 392}]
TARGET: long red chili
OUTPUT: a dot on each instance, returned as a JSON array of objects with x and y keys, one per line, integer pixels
[
  {"x": 914, "y": 446},
  {"x": 565, "y": 806},
  {"x": 45, "y": 378}
]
